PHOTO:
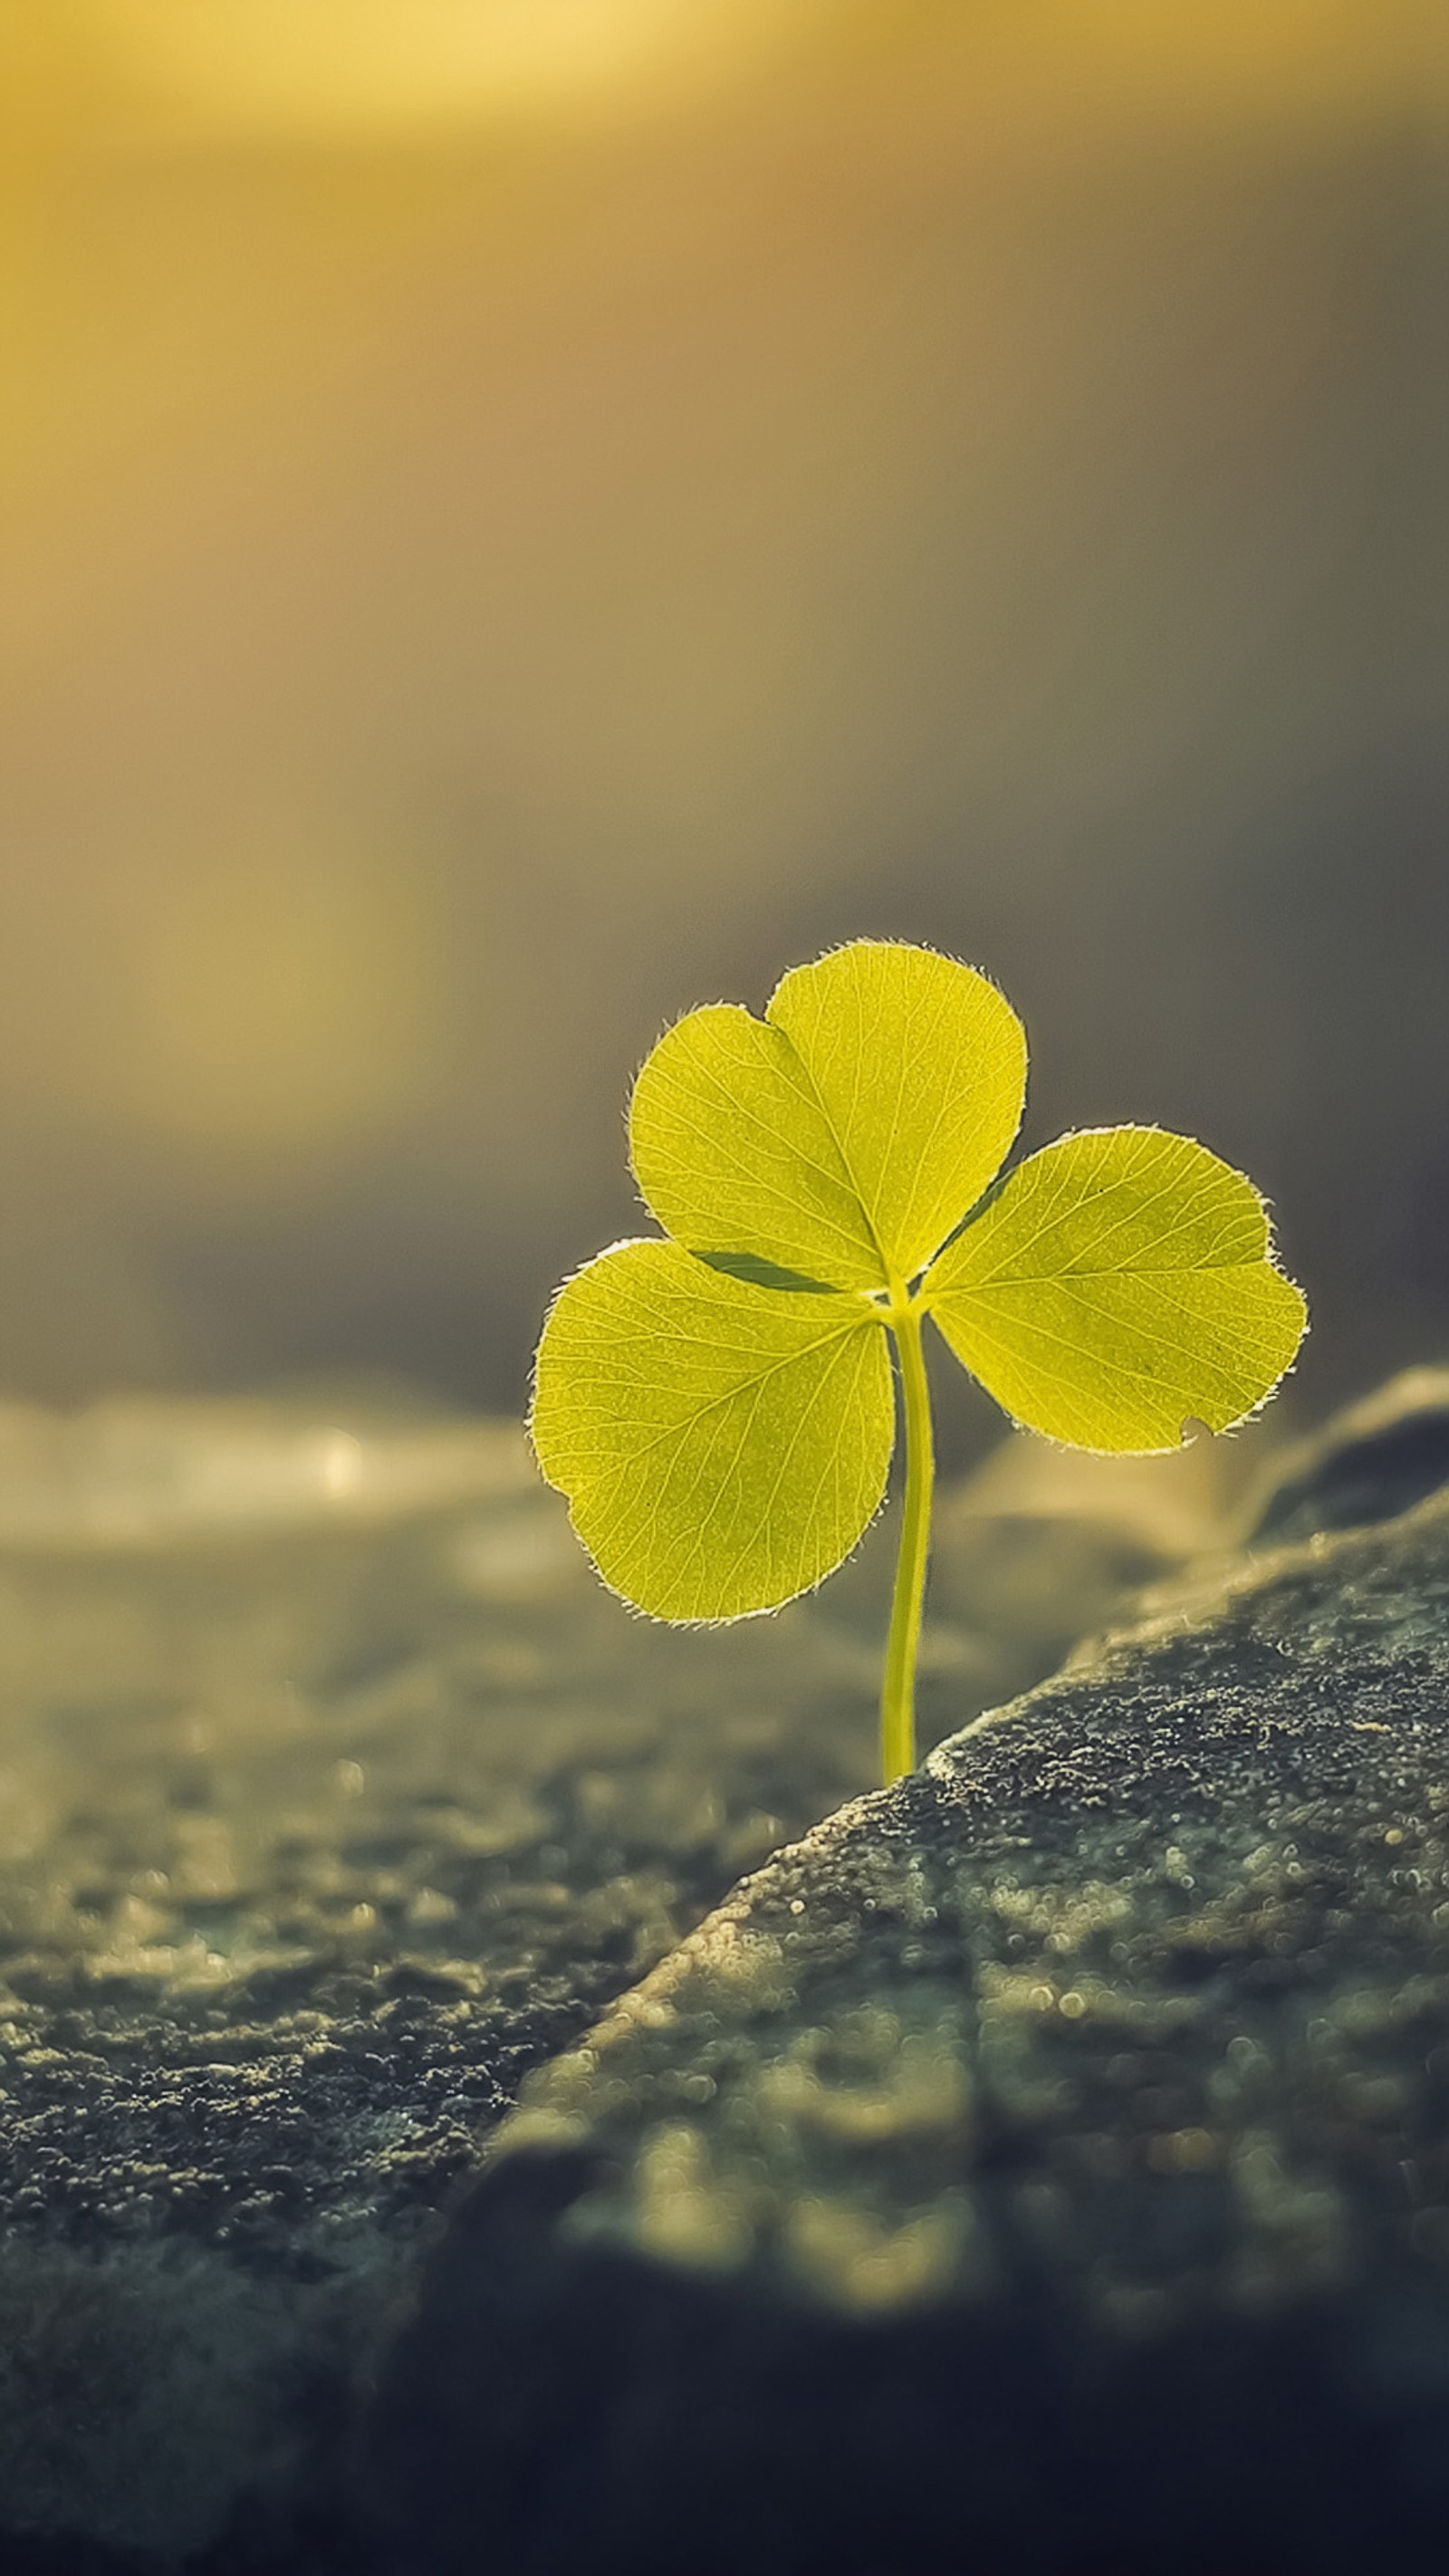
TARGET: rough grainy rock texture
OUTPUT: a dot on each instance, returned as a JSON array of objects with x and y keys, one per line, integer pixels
[
  {"x": 1044, "y": 2166},
  {"x": 334, "y": 1795}
]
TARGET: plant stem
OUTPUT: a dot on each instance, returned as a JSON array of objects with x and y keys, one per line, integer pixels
[{"x": 898, "y": 1692}]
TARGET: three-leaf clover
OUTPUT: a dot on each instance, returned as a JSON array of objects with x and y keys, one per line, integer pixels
[{"x": 718, "y": 1405}]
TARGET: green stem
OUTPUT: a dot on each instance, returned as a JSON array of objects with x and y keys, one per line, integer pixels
[{"x": 898, "y": 1693}]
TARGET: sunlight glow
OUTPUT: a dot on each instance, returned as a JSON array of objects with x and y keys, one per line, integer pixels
[{"x": 391, "y": 66}]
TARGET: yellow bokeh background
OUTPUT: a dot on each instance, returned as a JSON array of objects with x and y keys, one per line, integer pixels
[
  {"x": 350, "y": 69},
  {"x": 519, "y": 515}
]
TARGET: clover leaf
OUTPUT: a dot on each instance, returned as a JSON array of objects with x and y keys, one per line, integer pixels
[{"x": 718, "y": 1406}]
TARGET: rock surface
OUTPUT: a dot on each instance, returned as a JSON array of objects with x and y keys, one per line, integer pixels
[
  {"x": 335, "y": 1795},
  {"x": 1375, "y": 1459},
  {"x": 1043, "y": 2166}
]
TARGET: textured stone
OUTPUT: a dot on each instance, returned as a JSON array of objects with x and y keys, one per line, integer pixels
[
  {"x": 334, "y": 1795},
  {"x": 1376, "y": 1458},
  {"x": 1044, "y": 2165}
]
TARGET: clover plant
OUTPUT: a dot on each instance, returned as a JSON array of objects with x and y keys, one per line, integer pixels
[{"x": 717, "y": 1403}]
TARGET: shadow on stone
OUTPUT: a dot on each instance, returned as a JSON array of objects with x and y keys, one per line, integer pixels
[
  {"x": 621, "y": 2416},
  {"x": 1043, "y": 2166}
]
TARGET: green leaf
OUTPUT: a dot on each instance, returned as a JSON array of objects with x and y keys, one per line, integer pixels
[
  {"x": 763, "y": 1274},
  {"x": 722, "y": 1446},
  {"x": 842, "y": 1137},
  {"x": 1116, "y": 1285},
  {"x": 920, "y": 1067},
  {"x": 735, "y": 1155}
]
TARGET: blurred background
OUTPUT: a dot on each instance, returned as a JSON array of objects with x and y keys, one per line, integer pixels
[{"x": 521, "y": 516}]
